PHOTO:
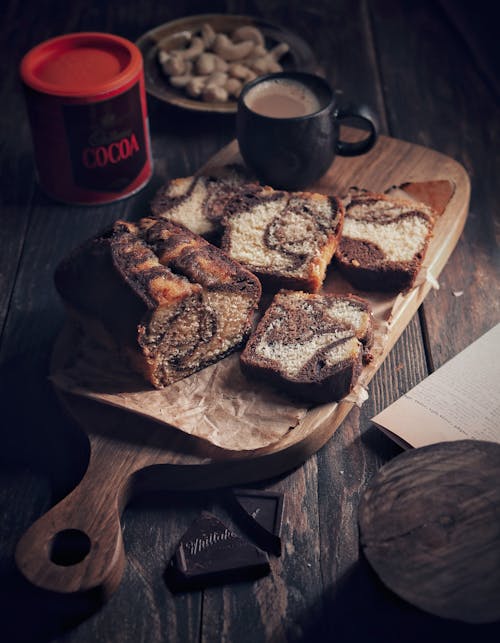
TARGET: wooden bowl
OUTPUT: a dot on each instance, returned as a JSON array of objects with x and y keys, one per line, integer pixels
[{"x": 300, "y": 56}]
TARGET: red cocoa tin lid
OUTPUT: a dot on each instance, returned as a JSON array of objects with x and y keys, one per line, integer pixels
[{"x": 82, "y": 64}]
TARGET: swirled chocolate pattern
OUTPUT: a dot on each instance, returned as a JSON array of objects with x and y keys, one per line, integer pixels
[
  {"x": 199, "y": 202},
  {"x": 286, "y": 238},
  {"x": 384, "y": 241},
  {"x": 312, "y": 346},
  {"x": 168, "y": 299}
]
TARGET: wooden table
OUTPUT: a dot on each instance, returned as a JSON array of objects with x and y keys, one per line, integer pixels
[{"x": 428, "y": 70}]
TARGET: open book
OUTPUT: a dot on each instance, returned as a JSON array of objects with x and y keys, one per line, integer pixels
[{"x": 461, "y": 400}]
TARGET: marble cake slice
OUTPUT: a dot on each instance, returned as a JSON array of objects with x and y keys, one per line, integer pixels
[
  {"x": 311, "y": 346},
  {"x": 384, "y": 241},
  {"x": 286, "y": 238},
  {"x": 198, "y": 202},
  {"x": 169, "y": 300}
]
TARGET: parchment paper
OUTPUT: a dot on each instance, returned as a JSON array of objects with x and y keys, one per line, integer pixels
[{"x": 218, "y": 404}]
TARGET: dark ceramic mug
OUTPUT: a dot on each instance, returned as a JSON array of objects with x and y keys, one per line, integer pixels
[{"x": 293, "y": 153}]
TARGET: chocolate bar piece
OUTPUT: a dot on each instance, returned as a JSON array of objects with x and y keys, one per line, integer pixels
[
  {"x": 209, "y": 553},
  {"x": 260, "y": 513}
]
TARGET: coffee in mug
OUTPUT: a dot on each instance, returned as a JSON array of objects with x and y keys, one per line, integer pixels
[
  {"x": 288, "y": 128},
  {"x": 282, "y": 98}
]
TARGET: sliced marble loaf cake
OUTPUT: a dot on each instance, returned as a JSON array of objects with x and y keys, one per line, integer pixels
[
  {"x": 384, "y": 241},
  {"x": 198, "y": 202},
  {"x": 286, "y": 238},
  {"x": 172, "y": 302},
  {"x": 311, "y": 346}
]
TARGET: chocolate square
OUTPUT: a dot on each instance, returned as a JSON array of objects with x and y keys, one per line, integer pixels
[
  {"x": 209, "y": 553},
  {"x": 260, "y": 513}
]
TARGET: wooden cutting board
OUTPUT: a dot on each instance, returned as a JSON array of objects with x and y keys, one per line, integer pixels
[{"x": 77, "y": 546}]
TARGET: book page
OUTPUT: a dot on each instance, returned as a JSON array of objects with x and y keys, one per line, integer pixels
[{"x": 461, "y": 400}]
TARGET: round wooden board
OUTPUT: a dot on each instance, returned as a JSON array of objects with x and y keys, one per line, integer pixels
[{"x": 430, "y": 527}]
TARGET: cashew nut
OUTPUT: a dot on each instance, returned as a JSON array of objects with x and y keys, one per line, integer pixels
[
  {"x": 195, "y": 86},
  {"x": 205, "y": 63},
  {"x": 177, "y": 41},
  {"x": 193, "y": 51},
  {"x": 220, "y": 63},
  {"x": 274, "y": 67},
  {"x": 233, "y": 87},
  {"x": 261, "y": 65},
  {"x": 279, "y": 51},
  {"x": 242, "y": 72},
  {"x": 231, "y": 51},
  {"x": 214, "y": 93},
  {"x": 265, "y": 65},
  {"x": 207, "y": 35},
  {"x": 247, "y": 32},
  {"x": 259, "y": 50},
  {"x": 174, "y": 65},
  {"x": 183, "y": 80},
  {"x": 162, "y": 56},
  {"x": 217, "y": 78},
  {"x": 180, "y": 81}
]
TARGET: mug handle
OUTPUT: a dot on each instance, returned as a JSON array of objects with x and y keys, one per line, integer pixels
[{"x": 365, "y": 116}]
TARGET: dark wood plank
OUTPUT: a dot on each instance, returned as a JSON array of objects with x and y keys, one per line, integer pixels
[
  {"x": 56, "y": 228},
  {"x": 346, "y": 463},
  {"x": 405, "y": 366},
  {"x": 459, "y": 119},
  {"x": 144, "y": 608},
  {"x": 181, "y": 144},
  {"x": 276, "y": 607},
  {"x": 479, "y": 35},
  {"x": 15, "y": 152},
  {"x": 35, "y": 316}
]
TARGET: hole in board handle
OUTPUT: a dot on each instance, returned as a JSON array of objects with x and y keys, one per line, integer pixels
[{"x": 69, "y": 547}]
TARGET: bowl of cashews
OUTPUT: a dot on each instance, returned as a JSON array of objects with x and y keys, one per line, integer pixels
[{"x": 203, "y": 62}]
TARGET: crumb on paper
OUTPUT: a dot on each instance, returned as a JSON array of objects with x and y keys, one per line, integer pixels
[
  {"x": 357, "y": 396},
  {"x": 432, "y": 280},
  {"x": 457, "y": 293}
]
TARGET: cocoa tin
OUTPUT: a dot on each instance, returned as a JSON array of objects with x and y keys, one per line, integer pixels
[{"x": 87, "y": 108}]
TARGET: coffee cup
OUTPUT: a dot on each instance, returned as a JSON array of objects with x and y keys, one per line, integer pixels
[{"x": 288, "y": 128}]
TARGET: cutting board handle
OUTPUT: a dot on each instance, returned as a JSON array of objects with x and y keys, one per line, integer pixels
[{"x": 77, "y": 545}]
